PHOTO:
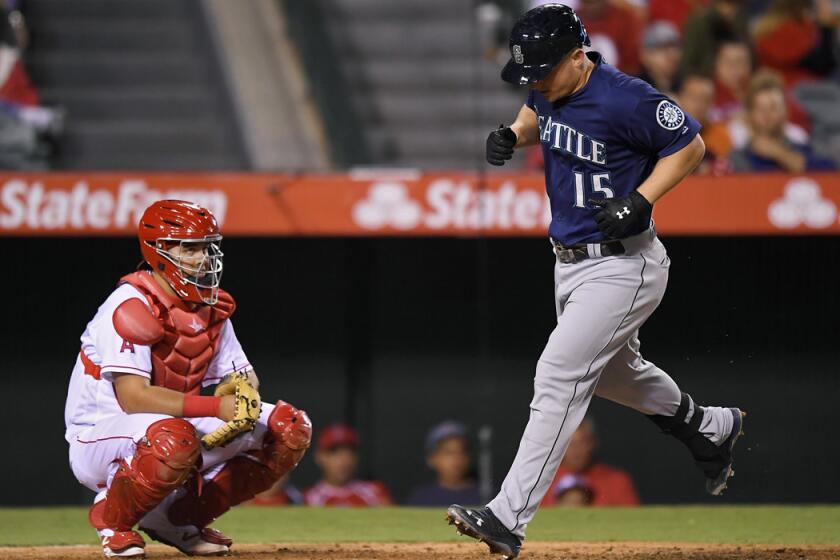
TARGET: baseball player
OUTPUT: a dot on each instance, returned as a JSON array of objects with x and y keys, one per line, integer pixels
[
  {"x": 157, "y": 452},
  {"x": 613, "y": 146}
]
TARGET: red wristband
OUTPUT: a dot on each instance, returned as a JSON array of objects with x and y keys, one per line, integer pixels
[{"x": 196, "y": 406}]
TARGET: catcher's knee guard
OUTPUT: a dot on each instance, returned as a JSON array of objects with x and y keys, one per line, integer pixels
[
  {"x": 243, "y": 477},
  {"x": 162, "y": 462},
  {"x": 708, "y": 456}
]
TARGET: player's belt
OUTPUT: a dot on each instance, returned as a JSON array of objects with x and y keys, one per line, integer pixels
[{"x": 567, "y": 254}]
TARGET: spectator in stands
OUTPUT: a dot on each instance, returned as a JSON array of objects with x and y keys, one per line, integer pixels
[
  {"x": 696, "y": 97},
  {"x": 615, "y": 32},
  {"x": 337, "y": 457},
  {"x": 769, "y": 147},
  {"x": 582, "y": 481},
  {"x": 675, "y": 11},
  {"x": 706, "y": 29},
  {"x": 282, "y": 493},
  {"x": 28, "y": 131},
  {"x": 797, "y": 38},
  {"x": 448, "y": 455},
  {"x": 733, "y": 68},
  {"x": 661, "y": 56}
]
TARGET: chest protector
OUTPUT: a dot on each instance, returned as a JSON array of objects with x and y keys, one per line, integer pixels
[{"x": 181, "y": 357}]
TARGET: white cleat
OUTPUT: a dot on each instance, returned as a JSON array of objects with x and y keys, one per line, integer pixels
[
  {"x": 122, "y": 544},
  {"x": 188, "y": 539}
]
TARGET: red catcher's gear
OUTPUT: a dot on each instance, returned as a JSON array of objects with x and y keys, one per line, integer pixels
[
  {"x": 176, "y": 222},
  {"x": 181, "y": 357},
  {"x": 243, "y": 477},
  {"x": 162, "y": 462}
]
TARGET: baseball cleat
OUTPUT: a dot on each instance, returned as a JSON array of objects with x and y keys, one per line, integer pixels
[
  {"x": 122, "y": 544},
  {"x": 482, "y": 525},
  {"x": 188, "y": 539},
  {"x": 715, "y": 486},
  {"x": 206, "y": 542}
]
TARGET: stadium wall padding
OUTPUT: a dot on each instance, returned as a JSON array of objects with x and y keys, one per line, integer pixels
[{"x": 397, "y": 334}]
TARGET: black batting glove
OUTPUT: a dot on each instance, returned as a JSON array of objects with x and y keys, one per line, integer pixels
[
  {"x": 623, "y": 217},
  {"x": 500, "y": 145}
]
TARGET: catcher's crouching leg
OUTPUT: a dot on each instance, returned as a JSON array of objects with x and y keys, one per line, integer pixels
[
  {"x": 243, "y": 477},
  {"x": 162, "y": 462}
]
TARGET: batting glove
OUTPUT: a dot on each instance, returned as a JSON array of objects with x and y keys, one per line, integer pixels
[
  {"x": 622, "y": 217},
  {"x": 500, "y": 145}
]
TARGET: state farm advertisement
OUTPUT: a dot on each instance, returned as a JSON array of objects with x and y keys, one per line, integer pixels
[{"x": 398, "y": 203}]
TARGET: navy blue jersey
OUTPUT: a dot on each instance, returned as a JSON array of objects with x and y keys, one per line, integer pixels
[{"x": 602, "y": 142}]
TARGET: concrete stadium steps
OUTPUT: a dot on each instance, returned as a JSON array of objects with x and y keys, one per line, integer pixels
[
  {"x": 426, "y": 95},
  {"x": 80, "y": 68},
  {"x": 371, "y": 10},
  {"x": 105, "y": 33},
  {"x": 146, "y": 103},
  {"x": 412, "y": 108},
  {"x": 456, "y": 72},
  {"x": 156, "y": 10},
  {"x": 423, "y": 38},
  {"x": 140, "y": 83}
]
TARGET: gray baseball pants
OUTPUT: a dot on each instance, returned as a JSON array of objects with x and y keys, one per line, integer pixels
[{"x": 594, "y": 349}]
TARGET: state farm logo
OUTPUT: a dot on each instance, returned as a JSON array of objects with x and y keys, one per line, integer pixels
[
  {"x": 387, "y": 204},
  {"x": 33, "y": 205},
  {"x": 802, "y": 203},
  {"x": 452, "y": 204}
]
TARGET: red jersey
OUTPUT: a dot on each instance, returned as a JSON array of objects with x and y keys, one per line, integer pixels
[
  {"x": 621, "y": 29},
  {"x": 357, "y": 493},
  {"x": 785, "y": 46},
  {"x": 609, "y": 486}
]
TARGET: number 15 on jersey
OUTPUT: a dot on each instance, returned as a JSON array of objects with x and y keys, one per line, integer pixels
[{"x": 600, "y": 184}]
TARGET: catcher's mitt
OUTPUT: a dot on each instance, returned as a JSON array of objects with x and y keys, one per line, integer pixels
[{"x": 246, "y": 410}]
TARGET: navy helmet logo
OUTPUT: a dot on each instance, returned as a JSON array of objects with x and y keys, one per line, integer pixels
[
  {"x": 517, "y": 54},
  {"x": 669, "y": 116}
]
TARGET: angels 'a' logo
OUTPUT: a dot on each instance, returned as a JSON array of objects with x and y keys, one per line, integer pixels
[
  {"x": 517, "y": 54},
  {"x": 669, "y": 116}
]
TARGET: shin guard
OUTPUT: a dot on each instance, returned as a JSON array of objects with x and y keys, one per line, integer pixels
[
  {"x": 162, "y": 462},
  {"x": 243, "y": 477}
]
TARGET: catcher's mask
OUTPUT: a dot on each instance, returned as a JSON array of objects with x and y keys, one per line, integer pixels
[{"x": 194, "y": 269}]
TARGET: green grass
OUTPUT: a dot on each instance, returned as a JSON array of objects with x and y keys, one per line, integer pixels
[{"x": 735, "y": 525}]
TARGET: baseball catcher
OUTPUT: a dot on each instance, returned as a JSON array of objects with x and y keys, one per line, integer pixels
[{"x": 158, "y": 453}]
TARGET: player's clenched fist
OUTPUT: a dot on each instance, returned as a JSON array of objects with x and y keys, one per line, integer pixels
[
  {"x": 500, "y": 145},
  {"x": 623, "y": 217}
]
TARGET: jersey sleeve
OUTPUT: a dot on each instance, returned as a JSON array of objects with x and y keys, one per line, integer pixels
[
  {"x": 111, "y": 352},
  {"x": 655, "y": 124},
  {"x": 229, "y": 357}
]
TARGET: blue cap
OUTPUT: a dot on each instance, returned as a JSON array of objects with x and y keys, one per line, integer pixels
[{"x": 445, "y": 430}]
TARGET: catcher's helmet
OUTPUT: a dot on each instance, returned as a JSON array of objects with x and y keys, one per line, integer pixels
[
  {"x": 169, "y": 223},
  {"x": 539, "y": 40}
]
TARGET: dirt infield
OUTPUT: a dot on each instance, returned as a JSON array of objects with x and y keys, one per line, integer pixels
[{"x": 461, "y": 551}]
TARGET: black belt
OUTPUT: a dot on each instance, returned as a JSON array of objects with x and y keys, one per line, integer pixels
[{"x": 575, "y": 253}]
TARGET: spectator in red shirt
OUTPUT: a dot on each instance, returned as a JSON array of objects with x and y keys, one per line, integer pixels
[
  {"x": 337, "y": 457},
  {"x": 797, "y": 38},
  {"x": 615, "y": 32},
  {"x": 733, "y": 69},
  {"x": 582, "y": 481},
  {"x": 675, "y": 11}
]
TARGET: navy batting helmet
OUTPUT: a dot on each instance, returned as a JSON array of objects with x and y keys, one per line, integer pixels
[{"x": 539, "y": 40}]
